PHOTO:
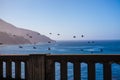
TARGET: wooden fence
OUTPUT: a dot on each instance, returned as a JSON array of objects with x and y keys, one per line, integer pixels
[{"x": 42, "y": 66}]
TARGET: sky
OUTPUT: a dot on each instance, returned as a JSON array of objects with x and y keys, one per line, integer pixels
[{"x": 95, "y": 19}]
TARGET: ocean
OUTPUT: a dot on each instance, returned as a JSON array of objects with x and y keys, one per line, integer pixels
[{"x": 71, "y": 47}]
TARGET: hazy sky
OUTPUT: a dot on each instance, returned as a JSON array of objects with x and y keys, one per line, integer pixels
[{"x": 96, "y": 19}]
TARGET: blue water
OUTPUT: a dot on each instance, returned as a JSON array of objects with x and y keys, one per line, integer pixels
[{"x": 72, "y": 47}]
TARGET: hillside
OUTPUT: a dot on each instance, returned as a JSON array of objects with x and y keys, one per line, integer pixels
[
  {"x": 10, "y": 34},
  {"x": 9, "y": 39}
]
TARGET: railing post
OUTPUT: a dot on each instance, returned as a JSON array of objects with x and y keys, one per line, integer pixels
[
  {"x": 26, "y": 70},
  {"x": 91, "y": 71},
  {"x": 17, "y": 69},
  {"x": 50, "y": 69},
  {"x": 36, "y": 67},
  {"x": 63, "y": 70},
  {"x": 107, "y": 71},
  {"x": 77, "y": 71},
  {"x": 1, "y": 69},
  {"x": 8, "y": 70}
]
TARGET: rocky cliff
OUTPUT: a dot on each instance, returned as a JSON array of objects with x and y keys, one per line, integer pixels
[{"x": 10, "y": 34}]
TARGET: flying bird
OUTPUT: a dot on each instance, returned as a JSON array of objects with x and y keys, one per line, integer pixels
[
  {"x": 14, "y": 35},
  {"x": 30, "y": 36},
  {"x": 49, "y": 48},
  {"x": 88, "y": 41},
  {"x": 74, "y": 36},
  {"x": 49, "y": 41},
  {"x": 50, "y": 33},
  {"x": 58, "y": 34},
  {"x": 34, "y": 47},
  {"x": 82, "y": 36},
  {"x": 101, "y": 50},
  {"x": 27, "y": 34},
  {"x": 38, "y": 34},
  {"x": 20, "y": 47}
]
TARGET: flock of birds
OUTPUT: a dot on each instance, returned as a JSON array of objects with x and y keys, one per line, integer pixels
[
  {"x": 82, "y": 36},
  {"x": 73, "y": 36}
]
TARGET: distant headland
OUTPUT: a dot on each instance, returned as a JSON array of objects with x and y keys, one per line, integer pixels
[{"x": 10, "y": 34}]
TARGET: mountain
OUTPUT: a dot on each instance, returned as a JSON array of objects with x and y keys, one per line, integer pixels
[
  {"x": 9, "y": 39},
  {"x": 10, "y": 34}
]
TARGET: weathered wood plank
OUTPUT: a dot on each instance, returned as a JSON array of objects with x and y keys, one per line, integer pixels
[
  {"x": 77, "y": 71},
  {"x": 91, "y": 71},
  {"x": 38, "y": 67},
  {"x": 1, "y": 69},
  {"x": 63, "y": 70},
  {"x": 8, "y": 69},
  {"x": 107, "y": 71},
  {"x": 50, "y": 70},
  {"x": 18, "y": 70}
]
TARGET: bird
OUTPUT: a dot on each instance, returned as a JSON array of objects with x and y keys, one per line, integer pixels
[
  {"x": 38, "y": 34},
  {"x": 74, "y": 36},
  {"x": 30, "y": 36},
  {"x": 14, "y": 35},
  {"x": 34, "y": 47},
  {"x": 50, "y": 33},
  {"x": 49, "y": 41},
  {"x": 49, "y": 48},
  {"x": 88, "y": 41},
  {"x": 91, "y": 52},
  {"x": 27, "y": 34},
  {"x": 58, "y": 34},
  {"x": 1, "y": 43},
  {"x": 101, "y": 50},
  {"x": 82, "y": 36},
  {"x": 81, "y": 49},
  {"x": 20, "y": 47}
]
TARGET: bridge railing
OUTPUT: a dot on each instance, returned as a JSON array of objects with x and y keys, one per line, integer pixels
[
  {"x": 42, "y": 66},
  {"x": 8, "y": 60}
]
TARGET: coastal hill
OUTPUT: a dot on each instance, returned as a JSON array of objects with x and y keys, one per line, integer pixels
[{"x": 10, "y": 34}]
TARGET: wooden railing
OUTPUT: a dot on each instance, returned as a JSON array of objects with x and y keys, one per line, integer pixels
[
  {"x": 42, "y": 66},
  {"x": 17, "y": 59}
]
